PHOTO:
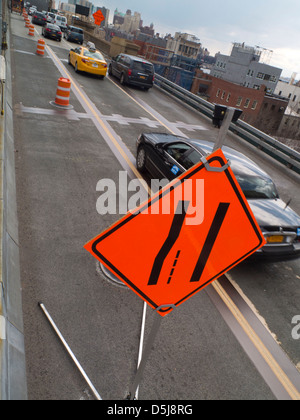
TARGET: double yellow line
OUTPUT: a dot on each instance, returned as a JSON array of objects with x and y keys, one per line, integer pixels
[{"x": 259, "y": 345}]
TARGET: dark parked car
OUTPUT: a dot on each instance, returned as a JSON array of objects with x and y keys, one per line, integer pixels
[
  {"x": 39, "y": 18},
  {"x": 132, "y": 70},
  {"x": 52, "y": 31},
  {"x": 166, "y": 156},
  {"x": 74, "y": 34}
]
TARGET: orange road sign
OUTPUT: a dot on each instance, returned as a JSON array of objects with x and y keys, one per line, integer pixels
[
  {"x": 99, "y": 18},
  {"x": 165, "y": 258}
]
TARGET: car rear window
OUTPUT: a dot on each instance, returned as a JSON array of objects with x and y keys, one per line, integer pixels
[
  {"x": 142, "y": 66},
  {"x": 39, "y": 14},
  {"x": 77, "y": 30},
  {"x": 54, "y": 27},
  {"x": 95, "y": 55}
]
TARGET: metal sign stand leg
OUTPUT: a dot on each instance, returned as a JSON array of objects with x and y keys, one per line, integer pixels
[
  {"x": 152, "y": 336},
  {"x": 93, "y": 389}
]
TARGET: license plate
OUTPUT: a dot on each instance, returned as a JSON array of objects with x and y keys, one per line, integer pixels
[
  {"x": 142, "y": 77},
  {"x": 276, "y": 239},
  {"x": 95, "y": 65}
]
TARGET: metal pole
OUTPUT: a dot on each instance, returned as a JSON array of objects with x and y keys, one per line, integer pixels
[
  {"x": 141, "y": 344},
  {"x": 224, "y": 128},
  {"x": 70, "y": 352},
  {"x": 147, "y": 351}
]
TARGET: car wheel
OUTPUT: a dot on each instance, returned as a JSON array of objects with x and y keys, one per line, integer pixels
[
  {"x": 141, "y": 159},
  {"x": 110, "y": 70},
  {"x": 76, "y": 67},
  {"x": 69, "y": 59},
  {"x": 122, "y": 79}
]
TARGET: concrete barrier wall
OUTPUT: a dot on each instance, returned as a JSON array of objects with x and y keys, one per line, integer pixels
[
  {"x": 13, "y": 384},
  {"x": 101, "y": 44}
]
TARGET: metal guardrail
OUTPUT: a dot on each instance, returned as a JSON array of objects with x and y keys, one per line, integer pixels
[{"x": 267, "y": 144}]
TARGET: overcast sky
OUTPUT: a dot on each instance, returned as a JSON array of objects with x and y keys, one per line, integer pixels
[{"x": 270, "y": 24}]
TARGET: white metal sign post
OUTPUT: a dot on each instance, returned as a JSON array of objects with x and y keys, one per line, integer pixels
[{"x": 152, "y": 336}]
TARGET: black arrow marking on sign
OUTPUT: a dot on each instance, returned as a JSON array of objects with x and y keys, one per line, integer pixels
[
  {"x": 170, "y": 241},
  {"x": 210, "y": 241}
]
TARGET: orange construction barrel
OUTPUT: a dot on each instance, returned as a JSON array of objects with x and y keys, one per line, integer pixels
[
  {"x": 63, "y": 92},
  {"x": 31, "y": 30},
  {"x": 40, "y": 50}
]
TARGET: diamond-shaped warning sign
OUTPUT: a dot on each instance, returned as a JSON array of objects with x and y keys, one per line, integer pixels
[
  {"x": 186, "y": 236},
  {"x": 99, "y": 17}
]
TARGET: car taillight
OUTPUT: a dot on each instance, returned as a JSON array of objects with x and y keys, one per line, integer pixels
[
  {"x": 59, "y": 33},
  {"x": 84, "y": 60},
  {"x": 105, "y": 66},
  {"x": 129, "y": 72},
  {"x": 48, "y": 30},
  {"x": 35, "y": 16}
]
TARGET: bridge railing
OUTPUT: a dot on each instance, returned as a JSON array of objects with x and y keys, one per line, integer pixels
[{"x": 267, "y": 144}]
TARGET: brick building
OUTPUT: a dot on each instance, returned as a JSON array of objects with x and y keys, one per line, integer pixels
[{"x": 260, "y": 109}]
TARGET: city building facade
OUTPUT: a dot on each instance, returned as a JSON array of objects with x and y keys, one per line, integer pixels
[
  {"x": 260, "y": 109},
  {"x": 127, "y": 22},
  {"x": 291, "y": 91},
  {"x": 184, "y": 44},
  {"x": 244, "y": 67}
]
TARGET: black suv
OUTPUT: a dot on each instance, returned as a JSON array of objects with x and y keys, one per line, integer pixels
[
  {"x": 132, "y": 70},
  {"x": 74, "y": 34},
  {"x": 39, "y": 18}
]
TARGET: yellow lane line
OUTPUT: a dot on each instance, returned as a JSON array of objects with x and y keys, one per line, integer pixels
[
  {"x": 279, "y": 373},
  {"x": 95, "y": 114},
  {"x": 274, "y": 366}
]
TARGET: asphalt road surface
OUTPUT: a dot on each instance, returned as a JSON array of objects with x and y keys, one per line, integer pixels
[{"x": 60, "y": 157}]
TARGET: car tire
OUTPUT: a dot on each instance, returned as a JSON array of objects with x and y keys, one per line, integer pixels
[
  {"x": 122, "y": 79},
  {"x": 69, "y": 60},
  {"x": 110, "y": 70},
  {"x": 141, "y": 159},
  {"x": 76, "y": 67}
]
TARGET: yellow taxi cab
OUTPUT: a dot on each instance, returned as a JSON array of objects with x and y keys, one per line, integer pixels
[{"x": 88, "y": 59}]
